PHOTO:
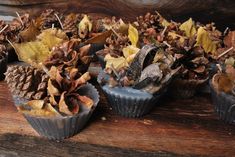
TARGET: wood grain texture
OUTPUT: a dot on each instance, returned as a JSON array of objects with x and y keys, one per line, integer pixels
[
  {"x": 173, "y": 128},
  {"x": 221, "y": 12}
]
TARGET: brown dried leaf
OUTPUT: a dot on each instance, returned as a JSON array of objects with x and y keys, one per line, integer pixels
[
  {"x": 30, "y": 33},
  {"x": 52, "y": 90},
  {"x": 63, "y": 107},
  {"x": 229, "y": 40},
  {"x": 88, "y": 102},
  {"x": 99, "y": 38}
]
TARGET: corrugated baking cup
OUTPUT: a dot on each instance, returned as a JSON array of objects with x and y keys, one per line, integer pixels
[
  {"x": 59, "y": 128},
  {"x": 127, "y": 101},
  {"x": 224, "y": 105},
  {"x": 184, "y": 89},
  {"x": 3, "y": 65},
  {"x": 130, "y": 102}
]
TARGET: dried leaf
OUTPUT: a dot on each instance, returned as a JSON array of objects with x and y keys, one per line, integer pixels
[
  {"x": 52, "y": 90},
  {"x": 52, "y": 37},
  {"x": 230, "y": 71},
  {"x": 33, "y": 52},
  {"x": 88, "y": 102},
  {"x": 30, "y": 33},
  {"x": 34, "y": 108},
  {"x": 133, "y": 35},
  {"x": 129, "y": 52},
  {"x": 84, "y": 26},
  {"x": 165, "y": 23},
  {"x": 176, "y": 36},
  {"x": 222, "y": 82},
  {"x": 117, "y": 63},
  {"x": 100, "y": 38},
  {"x": 230, "y": 61},
  {"x": 83, "y": 79},
  {"x": 229, "y": 40},
  {"x": 189, "y": 28},
  {"x": 203, "y": 39},
  {"x": 63, "y": 107},
  {"x": 200, "y": 69}
]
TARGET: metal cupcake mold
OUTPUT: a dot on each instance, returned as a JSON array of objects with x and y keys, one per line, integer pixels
[{"x": 59, "y": 128}]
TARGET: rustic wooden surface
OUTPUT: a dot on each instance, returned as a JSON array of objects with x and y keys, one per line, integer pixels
[
  {"x": 173, "y": 128},
  {"x": 221, "y": 12}
]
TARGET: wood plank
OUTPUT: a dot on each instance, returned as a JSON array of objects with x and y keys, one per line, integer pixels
[
  {"x": 221, "y": 12},
  {"x": 174, "y": 127}
]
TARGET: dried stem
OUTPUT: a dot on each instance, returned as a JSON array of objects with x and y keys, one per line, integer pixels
[
  {"x": 226, "y": 30},
  {"x": 44, "y": 68},
  {"x": 59, "y": 21},
  {"x": 164, "y": 42},
  {"x": 225, "y": 52},
  {"x": 3, "y": 28},
  {"x": 219, "y": 67},
  {"x": 19, "y": 18},
  {"x": 10, "y": 43},
  {"x": 164, "y": 30},
  {"x": 115, "y": 72},
  {"x": 116, "y": 33}
]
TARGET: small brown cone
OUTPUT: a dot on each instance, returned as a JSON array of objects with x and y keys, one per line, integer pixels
[{"x": 27, "y": 82}]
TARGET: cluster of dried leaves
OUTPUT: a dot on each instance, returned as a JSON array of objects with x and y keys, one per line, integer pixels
[{"x": 60, "y": 46}]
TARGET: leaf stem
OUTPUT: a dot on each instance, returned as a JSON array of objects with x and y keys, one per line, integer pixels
[
  {"x": 164, "y": 30},
  {"x": 59, "y": 21},
  {"x": 3, "y": 28},
  {"x": 225, "y": 52},
  {"x": 19, "y": 18}
]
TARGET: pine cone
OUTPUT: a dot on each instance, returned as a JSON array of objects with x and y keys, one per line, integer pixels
[
  {"x": 27, "y": 82},
  {"x": 116, "y": 44},
  {"x": 70, "y": 24},
  {"x": 3, "y": 61},
  {"x": 48, "y": 17}
]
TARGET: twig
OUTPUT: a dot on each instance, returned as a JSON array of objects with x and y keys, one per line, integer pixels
[
  {"x": 164, "y": 42},
  {"x": 59, "y": 21},
  {"x": 225, "y": 52},
  {"x": 116, "y": 33},
  {"x": 164, "y": 30},
  {"x": 3, "y": 28},
  {"x": 44, "y": 68},
  {"x": 19, "y": 18},
  {"x": 53, "y": 25},
  {"x": 219, "y": 67},
  {"x": 115, "y": 72},
  {"x": 10, "y": 43},
  {"x": 226, "y": 30}
]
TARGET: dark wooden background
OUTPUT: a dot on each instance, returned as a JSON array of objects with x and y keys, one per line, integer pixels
[{"x": 220, "y": 11}]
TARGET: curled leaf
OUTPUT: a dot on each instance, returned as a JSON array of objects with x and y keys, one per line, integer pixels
[
  {"x": 52, "y": 90},
  {"x": 176, "y": 36},
  {"x": 129, "y": 52},
  {"x": 88, "y": 102},
  {"x": 52, "y": 37},
  {"x": 189, "y": 28},
  {"x": 38, "y": 108},
  {"x": 63, "y": 107},
  {"x": 84, "y": 27},
  {"x": 203, "y": 39},
  {"x": 33, "y": 52},
  {"x": 30, "y": 33},
  {"x": 133, "y": 35},
  {"x": 117, "y": 63}
]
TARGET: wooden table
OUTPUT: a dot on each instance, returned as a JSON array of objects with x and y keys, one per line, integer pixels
[{"x": 173, "y": 128}]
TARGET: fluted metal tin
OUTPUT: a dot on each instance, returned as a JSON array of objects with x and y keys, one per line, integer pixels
[
  {"x": 129, "y": 102},
  {"x": 59, "y": 128},
  {"x": 224, "y": 105},
  {"x": 184, "y": 89}
]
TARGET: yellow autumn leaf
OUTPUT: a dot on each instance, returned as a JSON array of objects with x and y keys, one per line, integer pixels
[
  {"x": 175, "y": 36},
  {"x": 133, "y": 35},
  {"x": 129, "y": 52},
  {"x": 52, "y": 37},
  {"x": 38, "y": 108},
  {"x": 189, "y": 28},
  {"x": 117, "y": 63},
  {"x": 165, "y": 23},
  {"x": 84, "y": 26},
  {"x": 33, "y": 52},
  {"x": 203, "y": 39}
]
